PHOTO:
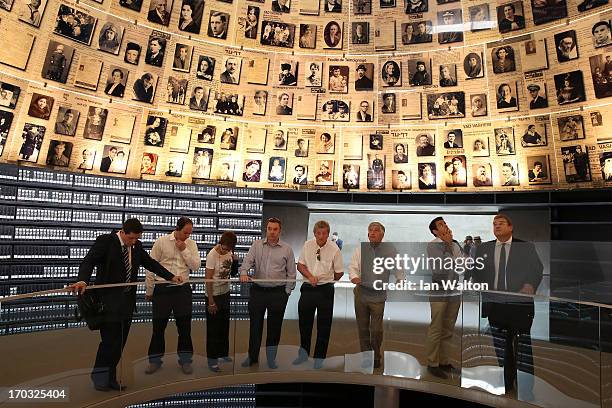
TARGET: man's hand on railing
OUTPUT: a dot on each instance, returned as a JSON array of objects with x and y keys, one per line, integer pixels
[
  {"x": 356, "y": 281},
  {"x": 244, "y": 278},
  {"x": 78, "y": 288},
  {"x": 177, "y": 279},
  {"x": 527, "y": 289}
]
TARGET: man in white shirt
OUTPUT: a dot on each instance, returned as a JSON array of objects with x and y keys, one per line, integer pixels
[
  {"x": 369, "y": 302},
  {"x": 179, "y": 254},
  {"x": 321, "y": 264},
  {"x": 444, "y": 304}
]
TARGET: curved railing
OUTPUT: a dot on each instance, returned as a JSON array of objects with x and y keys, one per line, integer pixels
[{"x": 571, "y": 361}]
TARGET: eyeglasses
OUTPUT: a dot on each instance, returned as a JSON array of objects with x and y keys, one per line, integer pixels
[{"x": 319, "y": 254}]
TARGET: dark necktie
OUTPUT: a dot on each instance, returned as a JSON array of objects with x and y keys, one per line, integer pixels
[
  {"x": 126, "y": 263},
  {"x": 501, "y": 280}
]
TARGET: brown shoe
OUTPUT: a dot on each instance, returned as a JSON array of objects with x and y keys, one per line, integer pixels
[{"x": 153, "y": 367}]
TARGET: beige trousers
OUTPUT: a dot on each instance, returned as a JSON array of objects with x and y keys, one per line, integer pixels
[{"x": 440, "y": 332}]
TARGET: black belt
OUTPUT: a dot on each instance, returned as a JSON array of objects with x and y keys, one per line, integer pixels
[{"x": 268, "y": 288}]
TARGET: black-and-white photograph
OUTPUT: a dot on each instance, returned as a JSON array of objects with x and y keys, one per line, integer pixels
[
  {"x": 206, "y": 67},
  {"x": 605, "y": 162},
  {"x": 308, "y": 36},
  {"x": 416, "y": 6},
  {"x": 570, "y": 127},
  {"x": 335, "y": 110},
  {"x": 538, "y": 169},
  {"x": 116, "y": 81},
  {"x": 425, "y": 145},
  {"x": 400, "y": 153},
  {"x": 202, "y": 162},
  {"x": 332, "y": 35},
  {"x": 509, "y": 173},
  {"x": 482, "y": 175},
  {"x": 419, "y": 72},
  {"x": 229, "y": 138},
  {"x": 199, "y": 98},
  {"x": 281, "y": 6},
  {"x": 276, "y": 169},
  {"x": 391, "y": 74},
  {"x": 503, "y": 59},
  {"x": 546, "y": 11},
  {"x": 95, "y": 123},
  {"x": 537, "y": 96},
  {"x": 57, "y": 62},
  {"x": 338, "y": 78},
  {"x": 455, "y": 171},
  {"x": 277, "y": 34},
  {"x": 252, "y": 171},
  {"x": 183, "y": 54},
  {"x": 156, "y": 50},
  {"x": 569, "y": 88},
  {"x": 279, "y": 141},
  {"x": 534, "y": 55},
  {"x": 250, "y": 23},
  {"x": 350, "y": 176},
  {"x": 260, "y": 102},
  {"x": 480, "y": 146},
  {"x": 6, "y": 5},
  {"x": 6, "y": 120},
  {"x": 9, "y": 95},
  {"x": 135, "y": 5},
  {"x": 510, "y": 17},
  {"x": 427, "y": 176},
  {"x": 602, "y": 35},
  {"x": 376, "y": 141},
  {"x": 30, "y": 12},
  {"x": 301, "y": 149},
  {"x": 326, "y": 143},
  {"x": 132, "y": 53},
  {"x": 472, "y": 65},
  {"x": 454, "y": 139},
  {"x": 32, "y": 136},
  {"x": 190, "y": 17},
  {"x": 363, "y": 77},
  {"x": 448, "y": 75},
  {"x": 376, "y": 171},
  {"x": 288, "y": 73},
  {"x": 361, "y": 7},
  {"x": 504, "y": 141},
  {"x": 601, "y": 73},
  {"x": 386, "y": 3},
  {"x": 174, "y": 168},
  {"x": 228, "y": 103},
  {"x": 566, "y": 46},
  {"x": 87, "y": 158},
  {"x": 418, "y": 32},
  {"x": 110, "y": 38},
  {"x": 300, "y": 174},
  {"x": 207, "y": 135},
  {"x": 155, "y": 131},
  {"x": 332, "y": 6},
  {"x": 389, "y": 104},
  {"x": 159, "y": 12},
  {"x": 480, "y": 18},
  {"x": 314, "y": 75},
  {"x": 59, "y": 153},
  {"x": 360, "y": 32},
  {"x": 365, "y": 111},
  {"x": 285, "y": 104},
  {"x": 144, "y": 87},
  {"x": 576, "y": 164},
  {"x": 446, "y": 105},
  {"x": 586, "y": 5},
  {"x": 534, "y": 135},
  {"x": 478, "y": 105},
  {"x": 506, "y": 96},
  {"x": 449, "y": 22},
  {"x": 176, "y": 90},
  {"x": 67, "y": 121},
  {"x": 75, "y": 24},
  {"x": 400, "y": 179},
  {"x": 41, "y": 106},
  {"x": 218, "y": 24}
]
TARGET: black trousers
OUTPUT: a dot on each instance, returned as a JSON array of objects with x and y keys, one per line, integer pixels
[
  {"x": 319, "y": 299},
  {"x": 514, "y": 351},
  {"x": 113, "y": 334},
  {"x": 168, "y": 300},
  {"x": 274, "y": 300},
  {"x": 217, "y": 328}
]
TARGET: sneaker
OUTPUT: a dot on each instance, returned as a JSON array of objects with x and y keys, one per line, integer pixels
[
  {"x": 214, "y": 367},
  {"x": 153, "y": 367},
  {"x": 437, "y": 372},
  {"x": 187, "y": 368},
  {"x": 227, "y": 359}
]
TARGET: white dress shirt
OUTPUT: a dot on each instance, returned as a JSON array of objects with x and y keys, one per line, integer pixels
[
  {"x": 498, "y": 245},
  {"x": 330, "y": 260},
  {"x": 170, "y": 257}
]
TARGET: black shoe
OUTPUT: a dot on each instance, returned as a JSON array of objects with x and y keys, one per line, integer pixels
[
  {"x": 300, "y": 359},
  {"x": 248, "y": 362},
  {"x": 102, "y": 387},
  {"x": 437, "y": 372},
  {"x": 272, "y": 364},
  {"x": 114, "y": 385}
]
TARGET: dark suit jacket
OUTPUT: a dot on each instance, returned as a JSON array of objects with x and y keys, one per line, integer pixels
[
  {"x": 105, "y": 164},
  {"x": 105, "y": 255},
  {"x": 523, "y": 266},
  {"x": 368, "y": 117},
  {"x": 154, "y": 17},
  {"x": 118, "y": 91}
]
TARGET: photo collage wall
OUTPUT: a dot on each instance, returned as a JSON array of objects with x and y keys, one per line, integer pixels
[{"x": 332, "y": 94}]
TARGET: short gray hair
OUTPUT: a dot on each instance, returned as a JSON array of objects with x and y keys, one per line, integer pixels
[
  {"x": 376, "y": 224},
  {"x": 319, "y": 225}
]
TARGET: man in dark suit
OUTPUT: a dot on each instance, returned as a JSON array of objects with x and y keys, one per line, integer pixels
[
  {"x": 510, "y": 265},
  {"x": 159, "y": 15},
  {"x": 362, "y": 113},
  {"x": 537, "y": 101},
  {"x": 108, "y": 160},
  {"x": 117, "y": 258},
  {"x": 363, "y": 83}
]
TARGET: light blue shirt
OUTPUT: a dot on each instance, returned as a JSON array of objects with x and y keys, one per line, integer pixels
[{"x": 271, "y": 261}]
